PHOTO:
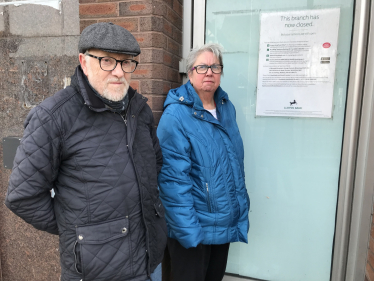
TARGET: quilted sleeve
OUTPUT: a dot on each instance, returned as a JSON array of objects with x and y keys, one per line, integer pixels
[
  {"x": 175, "y": 183},
  {"x": 34, "y": 170}
]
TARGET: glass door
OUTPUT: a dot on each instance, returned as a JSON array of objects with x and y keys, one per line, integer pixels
[{"x": 292, "y": 163}]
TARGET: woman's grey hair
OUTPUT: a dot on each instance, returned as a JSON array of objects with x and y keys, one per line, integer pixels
[{"x": 214, "y": 48}]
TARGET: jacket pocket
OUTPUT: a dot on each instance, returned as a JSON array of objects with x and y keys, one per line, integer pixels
[{"x": 102, "y": 250}]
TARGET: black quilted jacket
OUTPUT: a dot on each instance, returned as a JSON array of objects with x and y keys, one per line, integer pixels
[{"x": 106, "y": 210}]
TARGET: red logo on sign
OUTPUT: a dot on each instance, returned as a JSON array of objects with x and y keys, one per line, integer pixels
[{"x": 326, "y": 45}]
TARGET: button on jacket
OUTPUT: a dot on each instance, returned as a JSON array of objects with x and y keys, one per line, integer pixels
[
  {"x": 106, "y": 210},
  {"x": 202, "y": 179}
]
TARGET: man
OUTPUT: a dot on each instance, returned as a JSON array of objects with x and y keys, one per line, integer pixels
[{"x": 94, "y": 143}]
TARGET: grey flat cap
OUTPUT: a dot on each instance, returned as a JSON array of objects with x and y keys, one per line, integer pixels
[{"x": 108, "y": 37}]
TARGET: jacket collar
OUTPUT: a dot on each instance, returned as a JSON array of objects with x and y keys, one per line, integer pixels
[{"x": 187, "y": 95}]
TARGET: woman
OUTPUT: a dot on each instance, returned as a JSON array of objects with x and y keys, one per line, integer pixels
[{"x": 202, "y": 179}]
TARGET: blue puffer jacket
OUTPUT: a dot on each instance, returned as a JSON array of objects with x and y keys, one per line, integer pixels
[{"x": 202, "y": 179}]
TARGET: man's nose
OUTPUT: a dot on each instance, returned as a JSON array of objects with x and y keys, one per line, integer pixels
[
  {"x": 117, "y": 71},
  {"x": 209, "y": 71}
]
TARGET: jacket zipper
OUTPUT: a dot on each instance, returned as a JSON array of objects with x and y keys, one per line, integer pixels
[
  {"x": 128, "y": 107},
  {"x": 228, "y": 196},
  {"x": 140, "y": 193},
  {"x": 208, "y": 197},
  {"x": 124, "y": 119}
]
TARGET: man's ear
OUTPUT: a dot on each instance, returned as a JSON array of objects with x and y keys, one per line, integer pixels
[{"x": 83, "y": 62}]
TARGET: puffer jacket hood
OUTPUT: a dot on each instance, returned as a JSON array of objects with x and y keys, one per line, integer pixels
[
  {"x": 187, "y": 95},
  {"x": 202, "y": 182}
]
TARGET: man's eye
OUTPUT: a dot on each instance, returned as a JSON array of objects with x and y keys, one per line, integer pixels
[
  {"x": 107, "y": 60},
  {"x": 202, "y": 67}
]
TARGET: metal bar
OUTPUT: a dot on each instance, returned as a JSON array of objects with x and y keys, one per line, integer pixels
[
  {"x": 187, "y": 36},
  {"x": 350, "y": 140},
  {"x": 199, "y": 23},
  {"x": 187, "y": 27},
  {"x": 364, "y": 178}
]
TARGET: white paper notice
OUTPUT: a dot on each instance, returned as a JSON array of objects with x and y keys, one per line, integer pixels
[{"x": 297, "y": 61}]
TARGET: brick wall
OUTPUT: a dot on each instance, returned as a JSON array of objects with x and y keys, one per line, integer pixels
[
  {"x": 369, "y": 276},
  {"x": 157, "y": 26}
]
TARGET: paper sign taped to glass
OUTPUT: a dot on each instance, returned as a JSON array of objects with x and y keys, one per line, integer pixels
[{"x": 297, "y": 59}]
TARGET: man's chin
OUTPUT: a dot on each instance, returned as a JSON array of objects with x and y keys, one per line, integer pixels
[{"x": 115, "y": 95}]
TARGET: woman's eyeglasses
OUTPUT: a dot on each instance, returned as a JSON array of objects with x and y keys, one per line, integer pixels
[{"x": 202, "y": 69}]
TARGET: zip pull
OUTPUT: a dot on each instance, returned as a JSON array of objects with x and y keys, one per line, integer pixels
[
  {"x": 125, "y": 121},
  {"x": 208, "y": 198}
]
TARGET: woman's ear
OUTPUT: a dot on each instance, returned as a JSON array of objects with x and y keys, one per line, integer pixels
[{"x": 190, "y": 77}]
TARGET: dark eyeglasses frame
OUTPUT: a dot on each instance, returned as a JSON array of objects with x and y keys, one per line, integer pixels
[
  {"x": 117, "y": 61},
  {"x": 208, "y": 66}
]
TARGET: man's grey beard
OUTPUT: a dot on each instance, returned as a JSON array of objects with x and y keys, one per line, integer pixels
[{"x": 119, "y": 96}]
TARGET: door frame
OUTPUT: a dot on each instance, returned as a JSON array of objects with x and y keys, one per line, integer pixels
[{"x": 355, "y": 203}]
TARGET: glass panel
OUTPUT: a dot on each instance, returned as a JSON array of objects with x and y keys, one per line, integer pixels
[{"x": 292, "y": 164}]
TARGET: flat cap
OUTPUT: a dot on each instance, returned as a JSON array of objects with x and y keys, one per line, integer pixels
[{"x": 108, "y": 37}]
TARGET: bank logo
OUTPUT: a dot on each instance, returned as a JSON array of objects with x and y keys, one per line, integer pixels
[{"x": 293, "y": 102}]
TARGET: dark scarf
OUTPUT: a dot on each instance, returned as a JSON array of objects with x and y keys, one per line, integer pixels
[{"x": 116, "y": 106}]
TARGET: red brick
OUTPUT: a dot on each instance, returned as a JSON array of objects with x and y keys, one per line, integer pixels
[
  {"x": 176, "y": 85},
  {"x": 371, "y": 244},
  {"x": 168, "y": 28},
  {"x": 173, "y": 75},
  {"x": 151, "y": 23},
  {"x": 85, "y": 23},
  {"x": 158, "y": 102},
  {"x": 160, "y": 9},
  {"x": 151, "y": 87},
  {"x": 157, "y": 116},
  {"x": 178, "y": 8},
  {"x": 98, "y": 10},
  {"x": 87, "y": 1},
  {"x": 177, "y": 35},
  {"x": 131, "y": 24},
  {"x": 136, "y": 8},
  {"x": 151, "y": 39},
  {"x": 173, "y": 47},
  {"x": 155, "y": 71},
  {"x": 152, "y": 56},
  {"x": 169, "y": 2},
  {"x": 372, "y": 230},
  {"x": 141, "y": 71},
  {"x": 175, "y": 62},
  {"x": 168, "y": 87},
  {"x": 174, "y": 18},
  {"x": 369, "y": 272},
  {"x": 135, "y": 85},
  {"x": 167, "y": 59},
  {"x": 370, "y": 259}
]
